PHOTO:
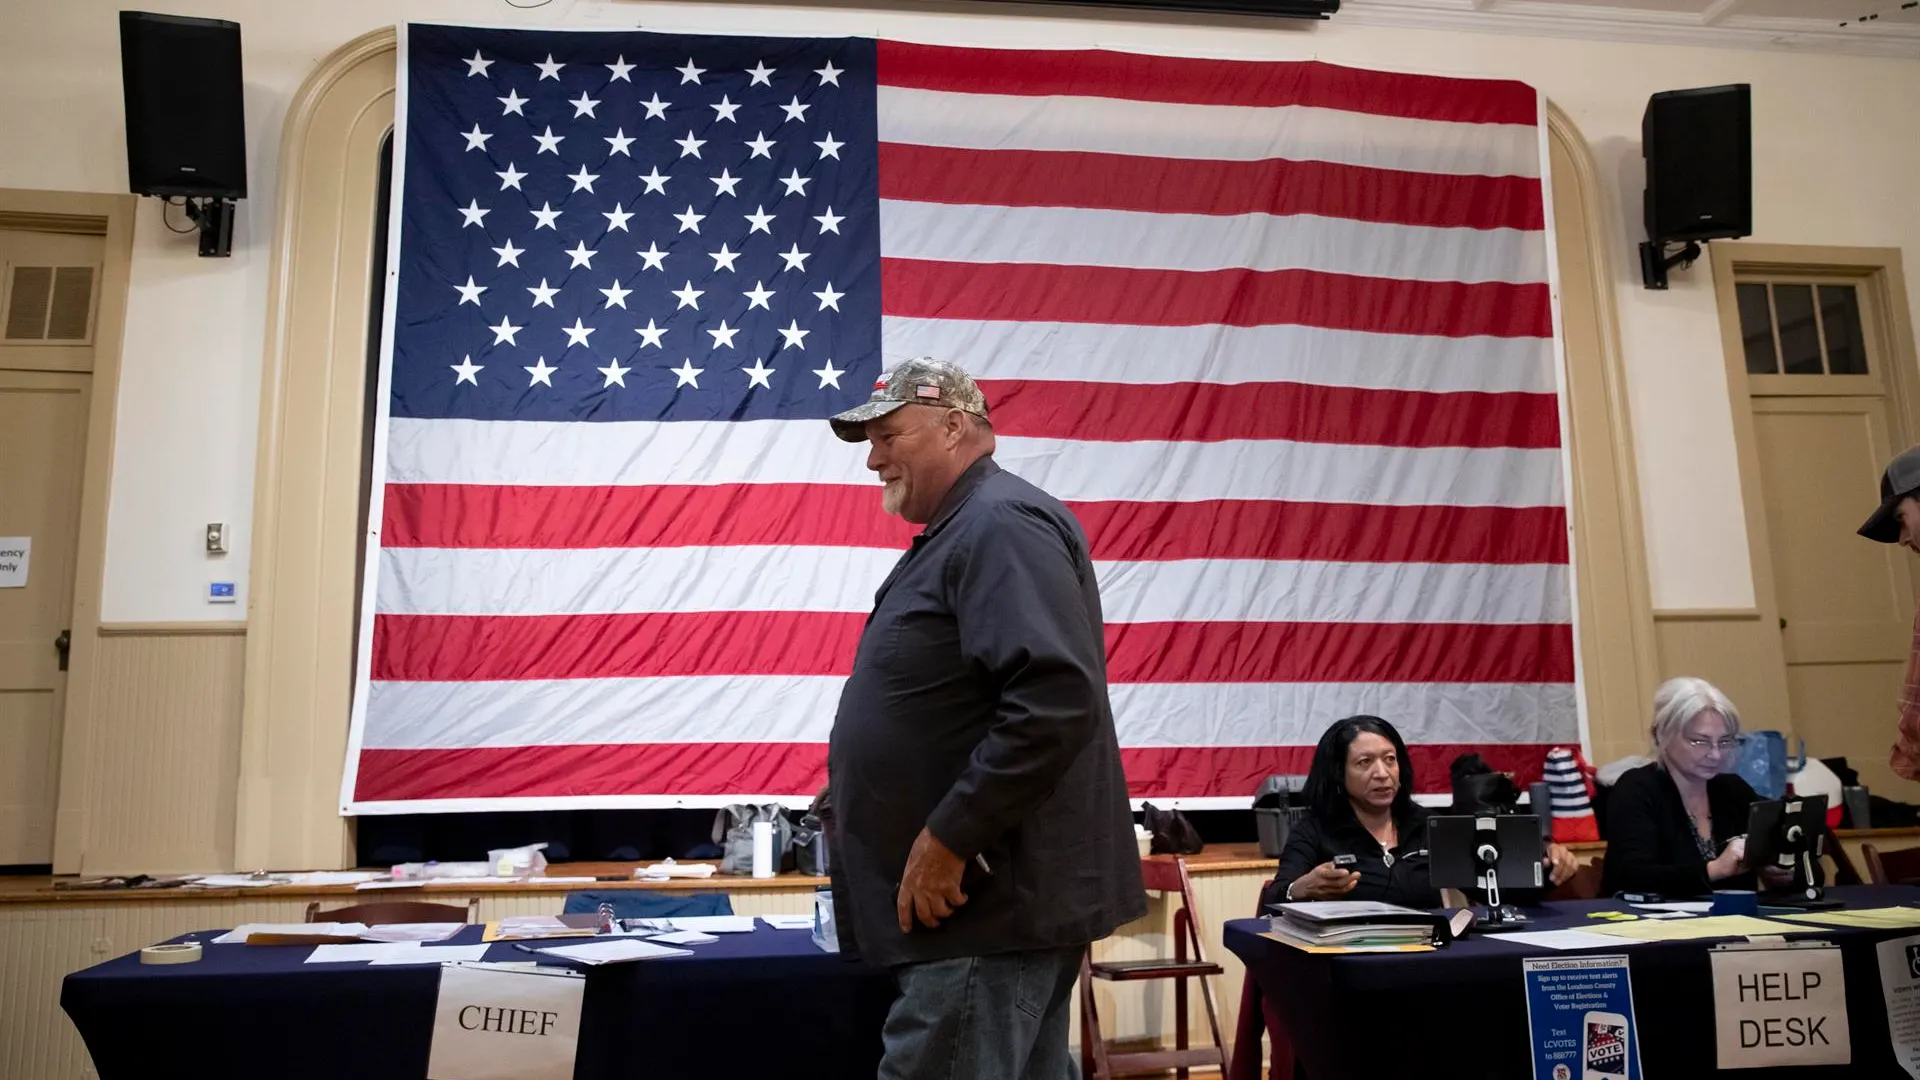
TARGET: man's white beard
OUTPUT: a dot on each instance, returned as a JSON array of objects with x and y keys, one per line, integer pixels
[{"x": 893, "y": 497}]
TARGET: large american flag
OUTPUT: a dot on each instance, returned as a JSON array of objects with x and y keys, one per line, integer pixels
[{"x": 1280, "y": 334}]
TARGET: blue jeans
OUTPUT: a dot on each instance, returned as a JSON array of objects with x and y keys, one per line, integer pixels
[{"x": 1001, "y": 1017}]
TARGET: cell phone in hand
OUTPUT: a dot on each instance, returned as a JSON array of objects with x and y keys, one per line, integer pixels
[{"x": 1344, "y": 862}]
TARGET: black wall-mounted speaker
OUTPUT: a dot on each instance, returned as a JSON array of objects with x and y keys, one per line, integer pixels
[
  {"x": 1699, "y": 150},
  {"x": 186, "y": 125}
]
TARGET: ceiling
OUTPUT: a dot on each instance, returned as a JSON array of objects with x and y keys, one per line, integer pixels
[{"x": 1862, "y": 27}]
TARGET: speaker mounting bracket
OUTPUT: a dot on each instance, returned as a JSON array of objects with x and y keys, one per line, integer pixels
[
  {"x": 215, "y": 217},
  {"x": 1655, "y": 261}
]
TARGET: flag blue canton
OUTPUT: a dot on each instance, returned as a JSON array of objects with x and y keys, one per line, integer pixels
[{"x": 636, "y": 226}]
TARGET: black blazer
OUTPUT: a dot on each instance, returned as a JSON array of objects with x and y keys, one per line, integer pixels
[
  {"x": 1650, "y": 845},
  {"x": 1401, "y": 880}
]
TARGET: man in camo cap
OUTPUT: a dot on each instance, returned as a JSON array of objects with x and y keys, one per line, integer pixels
[
  {"x": 1897, "y": 521},
  {"x": 980, "y": 833}
]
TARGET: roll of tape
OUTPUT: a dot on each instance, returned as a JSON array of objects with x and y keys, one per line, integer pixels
[{"x": 185, "y": 953}]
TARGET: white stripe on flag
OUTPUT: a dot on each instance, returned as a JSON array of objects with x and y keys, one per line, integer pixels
[
  {"x": 805, "y": 452},
  {"x": 579, "y": 581},
  {"x": 700, "y": 709},
  {"x": 1077, "y": 237},
  {"x": 1094, "y": 352},
  {"x": 1208, "y": 132}
]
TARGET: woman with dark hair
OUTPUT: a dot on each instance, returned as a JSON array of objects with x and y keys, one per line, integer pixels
[{"x": 1358, "y": 805}]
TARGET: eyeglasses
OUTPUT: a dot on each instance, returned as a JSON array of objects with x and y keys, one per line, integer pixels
[{"x": 1724, "y": 743}]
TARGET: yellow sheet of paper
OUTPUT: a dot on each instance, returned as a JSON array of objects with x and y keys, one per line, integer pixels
[
  {"x": 1711, "y": 926},
  {"x": 1886, "y": 918},
  {"x": 1335, "y": 949}
]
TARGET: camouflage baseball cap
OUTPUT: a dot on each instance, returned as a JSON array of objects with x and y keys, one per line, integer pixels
[{"x": 923, "y": 381}]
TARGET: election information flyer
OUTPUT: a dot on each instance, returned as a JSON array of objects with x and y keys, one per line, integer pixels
[{"x": 1580, "y": 1019}]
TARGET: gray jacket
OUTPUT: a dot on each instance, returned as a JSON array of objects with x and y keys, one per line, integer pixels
[{"x": 978, "y": 708}]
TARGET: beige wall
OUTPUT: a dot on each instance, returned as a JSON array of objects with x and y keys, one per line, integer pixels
[{"x": 1836, "y": 139}]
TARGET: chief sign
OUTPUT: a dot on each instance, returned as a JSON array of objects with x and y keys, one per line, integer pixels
[{"x": 492, "y": 1024}]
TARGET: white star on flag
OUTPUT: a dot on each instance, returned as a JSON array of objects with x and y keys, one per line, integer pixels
[
  {"x": 472, "y": 213},
  {"x": 759, "y": 221},
  {"x": 549, "y": 143},
  {"x": 619, "y": 140},
  {"x": 690, "y": 146},
  {"x": 476, "y": 139},
  {"x": 616, "y": 375},
  {"x": 617, "y": 218},
  {"x": 544, "y": 217},
  {"x": 723, "y": 259},
  {"x": 656, "y": 109},
  {"x": 616, "y": 296},
  {"x": 470, "y": 293},
  {"x": 796, "y": 259},
  {"x": 509, "y": 254},
  {"x": 689, "y": 296},
  {"x": 687, "y": 374},
  {"x": 762, "y": 74},
  {"x": 511, "y": 178},
  {"x": 689, "y": 221},
  {"x": 541, "y": 373},
  {"x": 503, "y": 334},
  {"x": 550, "y": 70},
  {"x": 542, "y": 294},
  {"x": 830, "y": 146},
  {"x": 758, "y": 374},
  {"x": 690, "y": 74},
  {"x": 577, "y": 334},
  {"x": 477, "y": 66},
  {"x": 759, "y": 296},
  {"x": 466, "y": 370},
  {"x": 796, "y": 184},
  {"x": 580, "y": 256},
  {"x": 761, "y": 146},
  {"x": 829, "y": 375},
  {"x": 723, "y": 337},
  {"x": 584, "y": 106},
  {"x": 656, "y": 259},
  {"x": 829, "y": 75},
  {"x": 829, "y": 298},
  {"x": 511, "y": 103},
  {"x": 795, "y": 110},
  {"x": 583, "y": 180},
  {"x": 650, "y": 334},
  {"x": 724, "y": 183},
  {"x": 620, "y": 67},
  {"x": 724, "y": 109},
  {"x": 655, "y": 182},
  {"x": 796, "y": 337},
  {"x": 829, "y": 221}
]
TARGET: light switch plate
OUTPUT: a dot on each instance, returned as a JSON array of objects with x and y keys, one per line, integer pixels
[{"x": 216, "y": 538}]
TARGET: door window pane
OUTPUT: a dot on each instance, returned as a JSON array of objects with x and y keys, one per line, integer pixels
[
  {"x": 1840, "y": 319},
  {"x": 1756, "y": 329},
  {"x": 1799, "y": 337}
]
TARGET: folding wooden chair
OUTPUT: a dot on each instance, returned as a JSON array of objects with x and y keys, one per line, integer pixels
[
  {"x": 1891, "y": 867},
  {"x": 1166, "y": 874},
  {"x": 397, "y": 911}
]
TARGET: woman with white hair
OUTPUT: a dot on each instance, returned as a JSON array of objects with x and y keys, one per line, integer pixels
[{"x": 1677, "y": 826}]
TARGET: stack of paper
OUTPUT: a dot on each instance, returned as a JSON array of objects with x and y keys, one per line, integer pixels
[
  {"x": 788, "y": 922},
  {"x": 660, "y": 871},
  {"x": 1354, "y": 924},
  {"x": 528, "y": 927},
  {"x": 1712, "y": 926},
  {"x": 419, "y": 931},
  {"x": 1887, "y": 918},
  {"x": 304, "y": 932},
  {"x": 614, "y": 951}
]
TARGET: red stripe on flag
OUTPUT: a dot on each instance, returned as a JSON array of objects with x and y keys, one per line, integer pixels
[
  {"x": 485, "y": 516},
  {"x": 697, "y": 769},
  {"x": 481, "y": 648},
  {"x": 1096, "y": 181},
  {"x": 1039, "y": 292},
  {"x": 1338, "y": 652},
  {"x": 1135, "y": 77},
  {"x": 473, "y": 648},
  {"x": 1301, "y": 412}
]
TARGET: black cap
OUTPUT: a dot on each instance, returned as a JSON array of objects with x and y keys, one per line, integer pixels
[{"x": 1901, "y": 479}]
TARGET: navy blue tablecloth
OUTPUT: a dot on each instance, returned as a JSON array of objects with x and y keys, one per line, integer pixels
[
  {"x": 766, "y": 1003},
  {"x": 1465, "y": 1007}
]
